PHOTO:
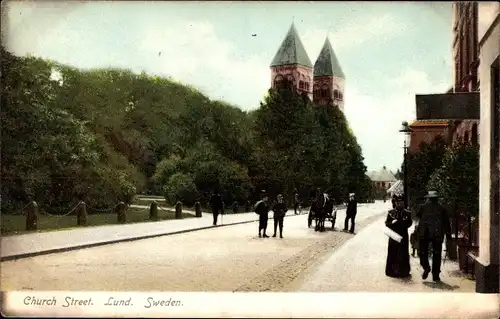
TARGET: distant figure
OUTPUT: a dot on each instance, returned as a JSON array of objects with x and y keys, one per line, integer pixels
[
  {"x": 262, "y": 209},
  {"x": 398, "y": 256},
  {"x": 296, "y": 200},
  {"x": 434, "y": 224},
  {"x": 351, "y": 211},
  {"x": 279, "y": 210},
  {"x": 217, "y": 205}
]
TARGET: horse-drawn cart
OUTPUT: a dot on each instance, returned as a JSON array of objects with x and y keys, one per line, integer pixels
[{"x": 330, "y": 215}]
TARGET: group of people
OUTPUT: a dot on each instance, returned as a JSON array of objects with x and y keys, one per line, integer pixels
[
  {"x": 433, "y": 226},
  {"x": 262, "y": 209}
]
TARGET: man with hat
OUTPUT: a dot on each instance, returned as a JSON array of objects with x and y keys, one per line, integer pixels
[
  {"x": 262, "y": 209},
  {"x": 433, "y": 225},
  {"x": 350, "y": 214},
  {"x": 279, "y": 210}
]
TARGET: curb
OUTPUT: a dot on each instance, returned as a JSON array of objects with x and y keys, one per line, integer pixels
[{"x": 116, "y": 241}]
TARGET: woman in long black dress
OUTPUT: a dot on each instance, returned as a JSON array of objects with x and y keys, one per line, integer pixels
[{"x": 398, "y": 255}]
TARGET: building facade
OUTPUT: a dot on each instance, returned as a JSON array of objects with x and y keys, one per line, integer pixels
[
  {"x": 323, "y": 83},
  {"x": 487, "y": 263},
  {"x": 382, "y": 179},
  {"x": 466, "y": 62}
]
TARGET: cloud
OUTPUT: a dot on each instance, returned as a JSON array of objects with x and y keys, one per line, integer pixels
[
  {"x": 203, "y": 59},
  {"x": 376, "y": 121},
  {"x": 355, "y": 33}
]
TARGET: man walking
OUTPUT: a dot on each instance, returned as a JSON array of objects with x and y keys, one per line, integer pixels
[
  {"x": 350, "y": 214},
  {"x": 433, "y": 225},
  {"x": 279, "y": 210},
  {"x": 216, "y": 205},
  {"x": 262, "y": 209}
]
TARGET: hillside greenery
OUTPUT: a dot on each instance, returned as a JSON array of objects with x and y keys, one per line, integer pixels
[{"x": 105, "y": 135}]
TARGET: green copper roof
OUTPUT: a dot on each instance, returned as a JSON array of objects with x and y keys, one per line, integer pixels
[
  {"x": 292, "y": 51},
  {"x": 327, "y": 63}
]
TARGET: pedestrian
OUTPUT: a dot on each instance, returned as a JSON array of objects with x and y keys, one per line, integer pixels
[
  {"x": 216, "y": 205},
  {"x": 262, "y": 209},
  {"x": 296, "y": 200},
  {"x": 279, "y": 210},
  {"x": 398, "y": 256},
  {"x": 414, "y": 241},
  {"x": 434, "y": 224},
  {"x": 351, "y": 211}
]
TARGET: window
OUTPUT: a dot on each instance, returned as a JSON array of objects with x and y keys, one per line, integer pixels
[
  {"x": 278, "y": 80},
  {"x": 341, "y": 96},
  {"x": 302, "y": 85},
  {"x": 474, "y": 134},
  {"x": 466, "y": 137},
  {"x": 324, "y": 91},
  {"x": 383, "y": 184}
]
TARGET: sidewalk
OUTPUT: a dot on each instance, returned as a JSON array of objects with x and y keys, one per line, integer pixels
[
  {"x": 29, "y": 245},
  {"x": 359, "y": 266}
]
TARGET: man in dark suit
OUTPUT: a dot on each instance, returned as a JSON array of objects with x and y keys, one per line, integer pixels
[
  {"x": 350, "y": 214},
  {"x": 262, "y": 209},
  {"x": 434, "y": 224},
  {"x": 216, "y": 205}
]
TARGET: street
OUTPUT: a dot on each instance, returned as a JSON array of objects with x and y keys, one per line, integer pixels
[{"x": 229, "y": 258}]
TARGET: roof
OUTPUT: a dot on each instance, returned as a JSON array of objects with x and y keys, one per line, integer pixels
[
  {"x": 383, "y": 175},
  {"x": 327, "y": 63},
  {"x": 430, "y": 123},
  {"x": 448, "y": 106},
  {"x": 396, "y": 188},
  {"x": 292, "y": 51}
]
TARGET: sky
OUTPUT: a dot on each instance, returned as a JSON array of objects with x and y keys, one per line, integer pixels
[{"x": 388, "y": 51}]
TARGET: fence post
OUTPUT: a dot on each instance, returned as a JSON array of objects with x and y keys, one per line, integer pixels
[
  {"x": 153, "y": 211},
  {"x": 81, "y": 217},
  {"x": 32, "y": 217},
  {"x": 197, "y": 209},
  {"x": 178, "y": 210},
  {"x": 121, "y": 208}
]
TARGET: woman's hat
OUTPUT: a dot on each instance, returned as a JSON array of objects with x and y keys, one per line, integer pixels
[
  {"x": 431, "y": 194},
  {"x": 398, "y": 197}
]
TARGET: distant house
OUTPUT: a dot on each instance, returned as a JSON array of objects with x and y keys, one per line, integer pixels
[{"x": 382, "y": 179}]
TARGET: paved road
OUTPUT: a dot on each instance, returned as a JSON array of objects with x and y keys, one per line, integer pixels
[
  {"x": 359, "y": 265},
  {"x": 219, "y": 259}
]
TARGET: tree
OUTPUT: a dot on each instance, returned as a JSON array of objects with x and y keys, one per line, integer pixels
[
  {"x": 457, "y": 181},
  {"x": 421, "y": 165}
]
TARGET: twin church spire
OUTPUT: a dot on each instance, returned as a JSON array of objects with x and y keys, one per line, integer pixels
[{"x": 323, "y": 82}]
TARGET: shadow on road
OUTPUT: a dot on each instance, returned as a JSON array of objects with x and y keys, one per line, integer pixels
[{"x": 441, "y": 285}]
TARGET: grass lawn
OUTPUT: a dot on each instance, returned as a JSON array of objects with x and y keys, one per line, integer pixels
[{"x": 15, "y": 224}]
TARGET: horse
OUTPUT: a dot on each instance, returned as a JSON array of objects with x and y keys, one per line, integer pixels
[{"x": 319, "y": 206}]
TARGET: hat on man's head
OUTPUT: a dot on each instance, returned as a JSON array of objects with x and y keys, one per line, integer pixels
[
  {"x": 351, "y": 194},
  {"x": 432, "y": 194},
  {"x": 398, "y": 197}
]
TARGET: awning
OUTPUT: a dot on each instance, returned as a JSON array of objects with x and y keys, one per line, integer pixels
[{"x": 396, "y": 188}]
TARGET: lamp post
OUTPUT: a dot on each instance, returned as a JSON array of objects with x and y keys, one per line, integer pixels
[{"x": 405, "y": 129}]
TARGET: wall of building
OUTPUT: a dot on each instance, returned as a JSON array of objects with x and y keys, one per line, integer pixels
[
  {"x": 467, "y": 130},
  {"x": 426, "y": 134},
  {"x": 295, "y": 73},
  {"x": 488, "y": 168},
  {"x": 331, "y": 84}
]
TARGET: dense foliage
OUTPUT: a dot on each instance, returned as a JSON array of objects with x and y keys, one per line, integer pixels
[
  {"x": 103, "y": 135},
  {"x": 421, "y": 165},
  {"x": 458, "y": 183}
]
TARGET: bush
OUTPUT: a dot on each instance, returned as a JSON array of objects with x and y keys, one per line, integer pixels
[{"x": 180, "y": 187}]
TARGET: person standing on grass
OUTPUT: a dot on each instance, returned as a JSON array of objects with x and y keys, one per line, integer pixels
[
  {"x": 262, "y": 209},
  {"x": 279, "y": 210},
  {"x": 216, "y": 205}
]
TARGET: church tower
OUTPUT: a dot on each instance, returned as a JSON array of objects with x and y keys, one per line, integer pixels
[
  {"x": 328, "y": 78},
  {"x": 292, "y": 62}
]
